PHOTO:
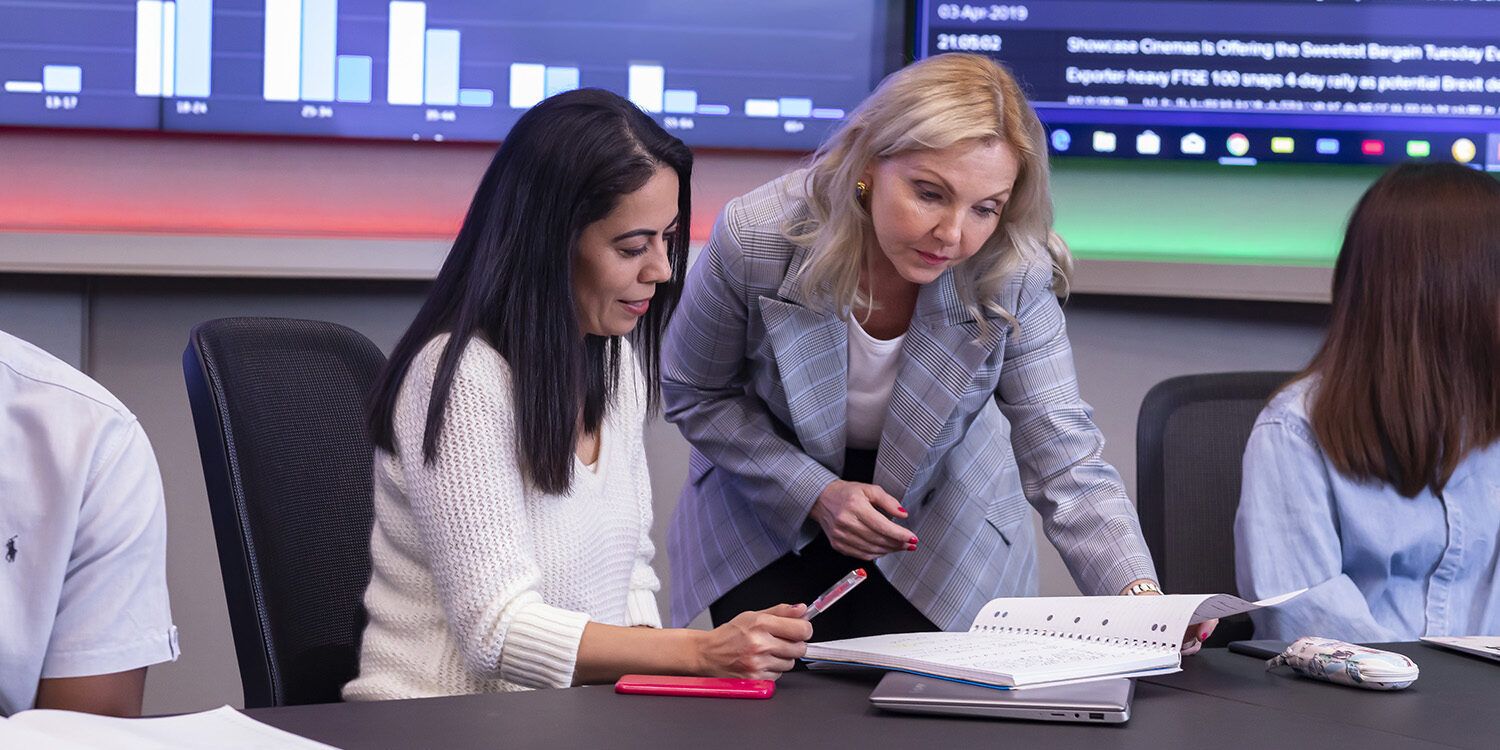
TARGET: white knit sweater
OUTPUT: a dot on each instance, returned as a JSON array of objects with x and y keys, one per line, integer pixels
[{"x": 480, "y": 582}]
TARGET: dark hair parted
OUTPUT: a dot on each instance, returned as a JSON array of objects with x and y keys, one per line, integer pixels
[
  {"x": 1409, "y": 382},
  {"x": 509, "y": 278}
]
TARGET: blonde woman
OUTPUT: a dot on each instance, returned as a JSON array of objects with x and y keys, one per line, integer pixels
[{"x": 871, "y": 363}]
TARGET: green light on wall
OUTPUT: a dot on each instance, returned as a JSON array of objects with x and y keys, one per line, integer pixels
[{"x": 1190, "y": 212}]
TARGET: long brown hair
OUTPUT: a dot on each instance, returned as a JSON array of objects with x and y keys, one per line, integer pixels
[{"x": 1410, "y": 370}]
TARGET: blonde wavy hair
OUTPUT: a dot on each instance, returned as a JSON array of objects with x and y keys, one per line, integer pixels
[{"x": 930, "y": 105}]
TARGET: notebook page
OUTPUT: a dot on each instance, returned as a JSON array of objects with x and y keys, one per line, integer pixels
[
  {"x": 992, "y": 658},
  {"x": 1035, "y": 640},
  {"x": 1151, "y": 623},
  {"x": 222, "y": 728},
  {"x": 1224, "y": 605}
]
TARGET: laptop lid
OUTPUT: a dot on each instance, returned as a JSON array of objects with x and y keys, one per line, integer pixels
[{"x": 1102, "y": 701}]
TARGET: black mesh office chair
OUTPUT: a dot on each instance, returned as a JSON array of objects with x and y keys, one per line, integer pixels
[
  {"x": 1189, "y": 443},
  {"x": 279, "y": 410}
]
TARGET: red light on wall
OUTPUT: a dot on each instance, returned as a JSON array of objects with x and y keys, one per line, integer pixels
[{"x": 1372, "y": 148}]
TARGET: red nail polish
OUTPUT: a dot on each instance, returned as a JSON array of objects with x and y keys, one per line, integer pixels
[
  {"x": 1202, "y": 637},
  {"x": 911, "y": 548},
  {"x": 901, "y": 508},
  {"x": 912, "y": 540}
]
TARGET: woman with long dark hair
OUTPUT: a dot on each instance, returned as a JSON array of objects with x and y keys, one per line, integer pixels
[
  {"x": 1374, "y": 478},
  {"x": 511, "y": 546}
]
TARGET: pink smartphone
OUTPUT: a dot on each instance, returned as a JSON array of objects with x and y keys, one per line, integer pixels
[{"x": 694, "y": 687}]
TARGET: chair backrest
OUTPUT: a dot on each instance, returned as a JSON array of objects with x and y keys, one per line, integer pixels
[
  {"x": 278, "y": 406},
  {"x": 1190, "y": 442}
]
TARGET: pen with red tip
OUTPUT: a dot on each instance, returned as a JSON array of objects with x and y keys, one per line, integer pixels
[{"x": 834, "y": 593}]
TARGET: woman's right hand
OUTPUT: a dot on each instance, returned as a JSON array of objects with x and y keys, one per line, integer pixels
[
  {"x": 853, "y": 517},
  {"x": 756, "y": 645}
]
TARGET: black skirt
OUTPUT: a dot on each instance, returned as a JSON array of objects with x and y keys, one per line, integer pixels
[{"x": 873, "y": 608}]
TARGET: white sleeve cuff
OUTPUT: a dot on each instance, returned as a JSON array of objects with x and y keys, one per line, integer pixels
[
  {"x": 541, "y": 646},
  {"x": 151, "y": 648},
  {"x": 640, "y": 608}
]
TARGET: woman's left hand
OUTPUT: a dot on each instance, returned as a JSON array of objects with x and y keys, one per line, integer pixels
[{"x": 1193, "y": 639}]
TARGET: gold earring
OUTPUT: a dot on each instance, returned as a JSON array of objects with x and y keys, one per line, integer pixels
[{"x": 861, "y": 189}]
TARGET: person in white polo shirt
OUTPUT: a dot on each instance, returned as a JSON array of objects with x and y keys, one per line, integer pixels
[{"x": 83, "y": 532}]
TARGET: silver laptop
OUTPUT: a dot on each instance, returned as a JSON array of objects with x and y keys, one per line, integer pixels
[{"x": 1102, "y": 702}]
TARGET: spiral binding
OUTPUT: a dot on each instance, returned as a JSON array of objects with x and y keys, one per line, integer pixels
[{"x": 1064, "y": 635}]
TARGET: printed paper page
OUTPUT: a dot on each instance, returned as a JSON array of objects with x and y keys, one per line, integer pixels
[
  {"x": 13, "y": 735},
  {"x": 989, "y": 652},
  {"x": 222, "y": 728},
  {"x": 1224, "y": 605},
  {"x": 1151, "y": 622},
  {"x": 1487, "y": 646},
  {"x": 983, "y": 657}
]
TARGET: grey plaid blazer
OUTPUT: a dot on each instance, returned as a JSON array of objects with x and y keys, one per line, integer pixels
[{"x": 755, "y": 378}]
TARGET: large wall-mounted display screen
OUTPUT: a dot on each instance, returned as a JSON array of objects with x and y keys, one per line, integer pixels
[
  {"x": 65, "y": 64},
  {"x": 774, "y": 74},
  {"x": 1242, "y": 83}
]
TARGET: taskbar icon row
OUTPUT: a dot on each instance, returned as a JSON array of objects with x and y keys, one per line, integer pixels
[{"x": 1248, "y": 147}]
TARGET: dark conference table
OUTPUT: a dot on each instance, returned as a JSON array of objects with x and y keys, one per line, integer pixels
[
  {"x": 1221, "y": 700},
  {"x": 1455, "y": 701}
]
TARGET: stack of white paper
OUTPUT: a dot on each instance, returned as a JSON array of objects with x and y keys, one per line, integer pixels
[{"x": 222, "y": 728}]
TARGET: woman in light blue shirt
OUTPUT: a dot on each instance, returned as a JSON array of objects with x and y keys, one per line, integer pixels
[{"x": 1374, "y": 479}]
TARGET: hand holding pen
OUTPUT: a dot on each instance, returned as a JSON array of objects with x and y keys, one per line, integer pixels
[
  {"x": 762, "y": 645},
  {"x": 834, "y": 593},
  {"x": 757, "y": 645}
]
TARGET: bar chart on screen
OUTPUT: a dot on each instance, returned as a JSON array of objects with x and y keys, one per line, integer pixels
[
  {"x": 773, "y": 74},
  {"x": 68, "y": 64},
  {"x": 647, "y": 88},
  {"x": 302, "y": 62},
  {"x": 173, "y": 39},
  {"x": 776, "y": 75}
]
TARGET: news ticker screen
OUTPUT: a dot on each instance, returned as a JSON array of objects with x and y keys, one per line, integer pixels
[{"x": 1244, "y": 83}]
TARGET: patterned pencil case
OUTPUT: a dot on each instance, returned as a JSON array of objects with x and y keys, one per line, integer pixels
[{"x": 1347, "y": 664}]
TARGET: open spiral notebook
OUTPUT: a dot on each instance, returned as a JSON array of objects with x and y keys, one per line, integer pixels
[{"x": 1030, "y": 641}]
